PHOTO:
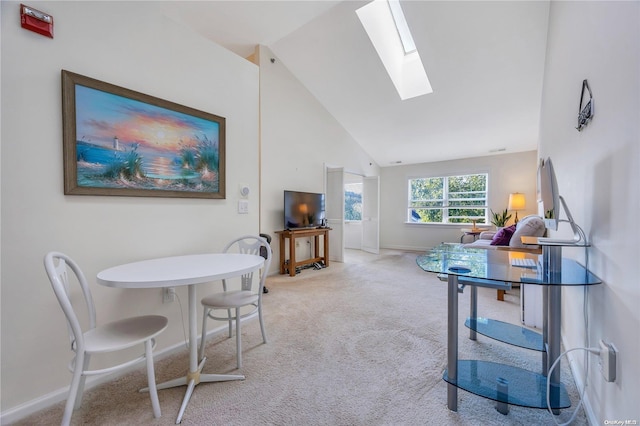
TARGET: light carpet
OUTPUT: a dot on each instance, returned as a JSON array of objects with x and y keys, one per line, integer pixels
[{"x": 358, "y": 343}]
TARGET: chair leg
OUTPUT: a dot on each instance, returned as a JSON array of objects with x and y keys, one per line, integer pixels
[
  {"x": 73, "y": 390},
  {"x": 230, "y": 323},
  {"x": 83, "y": 378},
  {"x": 151, "y": 379},
  {"x": 204, "y": 333},
  {"x": 264, "y": 333},
  {"x": 238, "y": 342}
]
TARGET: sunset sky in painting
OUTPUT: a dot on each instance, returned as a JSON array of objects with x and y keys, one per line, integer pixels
[{"x": 101, "y": 116}]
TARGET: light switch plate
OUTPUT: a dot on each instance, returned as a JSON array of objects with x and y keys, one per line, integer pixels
[{"x": 243, "y": 207}]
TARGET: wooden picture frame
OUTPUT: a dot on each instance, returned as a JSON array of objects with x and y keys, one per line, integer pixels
[{"x": 121, "y": 142}]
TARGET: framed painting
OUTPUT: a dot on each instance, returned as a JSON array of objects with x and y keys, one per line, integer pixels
[{"x": 118, "y": 141}]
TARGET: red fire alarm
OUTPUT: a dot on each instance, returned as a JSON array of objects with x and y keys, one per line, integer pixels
[{"x": 34, "y": 20}]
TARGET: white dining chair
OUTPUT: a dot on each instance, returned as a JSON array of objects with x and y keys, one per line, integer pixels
[
  {"x": 94, "y": 339},
  {"x": 226, "y": 305}
]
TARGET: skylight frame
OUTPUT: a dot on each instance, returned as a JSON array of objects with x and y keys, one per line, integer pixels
[{"x": 405, "y": 69}]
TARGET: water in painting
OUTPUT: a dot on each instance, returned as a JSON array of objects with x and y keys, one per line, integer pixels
[{"x": 124, "y": 143}]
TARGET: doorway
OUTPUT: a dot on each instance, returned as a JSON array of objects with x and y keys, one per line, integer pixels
[{"x": 352, "y": 212}]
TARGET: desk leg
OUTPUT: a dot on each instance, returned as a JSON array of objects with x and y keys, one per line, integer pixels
[
  {"x": 473, "y": 314},
  {"x": 452, "y": 342},
  {"x": 545, "y": 330},
  {"x": 555, "y": 312}
]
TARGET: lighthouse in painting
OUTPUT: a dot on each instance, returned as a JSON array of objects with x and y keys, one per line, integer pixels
[{"x": 116, "y": 143}]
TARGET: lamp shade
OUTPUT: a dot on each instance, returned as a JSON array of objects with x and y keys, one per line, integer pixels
[{"x": 516, "y": 201}]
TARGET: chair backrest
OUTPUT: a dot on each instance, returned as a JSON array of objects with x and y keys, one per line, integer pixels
[
  {"x": 251, "y": 244},
  {"x": 57, "y": 266}
]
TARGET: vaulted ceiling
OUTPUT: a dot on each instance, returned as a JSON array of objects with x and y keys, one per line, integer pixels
[{"x": 485, "y": 62}]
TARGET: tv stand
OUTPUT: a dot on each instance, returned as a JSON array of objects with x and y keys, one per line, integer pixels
[{"x": 292, "y": 234}]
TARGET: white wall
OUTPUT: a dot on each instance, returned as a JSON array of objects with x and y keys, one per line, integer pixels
[
  {"x": 507, "y": 173},
  {"x": 597, "y": 172},
  {"x": 132, "y": 45},
  {"x": 298, "y": 138}
]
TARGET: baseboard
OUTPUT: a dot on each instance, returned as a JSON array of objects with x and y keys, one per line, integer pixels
[
  {"x": 406, "y": 248},
  {"x": 28, "y": 408}
]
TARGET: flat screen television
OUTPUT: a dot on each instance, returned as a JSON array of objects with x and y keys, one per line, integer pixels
[{"x": 303, "y": 210}]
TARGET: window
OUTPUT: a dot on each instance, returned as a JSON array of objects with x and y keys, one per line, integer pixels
[
  {"x": 448, "y": 199},
  {"x": 353, "y": 201}
]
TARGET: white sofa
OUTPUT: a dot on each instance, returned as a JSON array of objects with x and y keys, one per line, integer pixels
[{"x": 530, "y": 226}]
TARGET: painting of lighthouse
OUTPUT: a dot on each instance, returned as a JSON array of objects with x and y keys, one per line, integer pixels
[{"x": 121, "y": 142}]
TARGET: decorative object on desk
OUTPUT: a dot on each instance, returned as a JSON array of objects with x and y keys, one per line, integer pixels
[
  {"x": 120, "y": 142},
  {"x": 585, "y": 114},
  {"x": 516, "y": 202},
  {"x": 500, "y": 219},
  {"x": 503, "y": 236}
]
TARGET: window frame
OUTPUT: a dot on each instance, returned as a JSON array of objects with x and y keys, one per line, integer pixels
[{"x": 446, "y": 200}]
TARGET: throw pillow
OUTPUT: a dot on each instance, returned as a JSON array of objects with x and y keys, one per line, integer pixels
[
  {"x": 503, "y": 236},
  {"x": 530, "y": 226}
]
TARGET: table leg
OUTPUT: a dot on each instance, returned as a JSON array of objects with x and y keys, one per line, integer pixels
[
  {"x": 316, "y": 246},
  {"x": 292, "y": 255},
  {"x": 325, "y": 241},
  {"x": 452, "y": 342},
  {"x": 282, "y": 254},
  {"x": 193, "y": 377}
]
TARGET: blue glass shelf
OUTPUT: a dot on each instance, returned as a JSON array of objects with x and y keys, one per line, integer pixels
[
  {"x": 507, "y": 333},
  {"x": 481, "y": 266},
  {"x": 523, "y": 388}
]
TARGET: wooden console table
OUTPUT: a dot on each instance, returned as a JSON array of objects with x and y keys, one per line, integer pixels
[{"x": 302, "y": 233}]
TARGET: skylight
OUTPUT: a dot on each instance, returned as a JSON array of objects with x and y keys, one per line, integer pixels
[
  {"x": 385, "y": 24},
  {"x": 401, "y": 25}
]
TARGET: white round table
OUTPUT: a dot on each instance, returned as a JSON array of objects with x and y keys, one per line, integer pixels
[{"x": 177, "y": 271}]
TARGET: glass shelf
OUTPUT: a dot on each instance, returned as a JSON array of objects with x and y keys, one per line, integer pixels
[
  {"x": 523, "y": 388},
  {"x": 507, "y": 333},
  {"x": 494, "y": 265}
]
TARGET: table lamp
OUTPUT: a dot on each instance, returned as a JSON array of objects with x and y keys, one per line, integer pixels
[{"x": 516, "y": 202}]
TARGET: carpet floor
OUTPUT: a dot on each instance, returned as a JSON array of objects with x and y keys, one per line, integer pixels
[{"x": 358, "y": 343}]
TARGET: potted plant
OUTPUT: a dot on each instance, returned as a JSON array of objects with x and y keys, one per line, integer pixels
[{"x": 500, "y": 219}]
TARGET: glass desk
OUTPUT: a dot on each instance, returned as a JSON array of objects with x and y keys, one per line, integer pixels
[{"x": 492, "y": 268}]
